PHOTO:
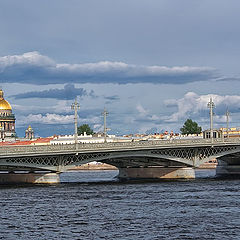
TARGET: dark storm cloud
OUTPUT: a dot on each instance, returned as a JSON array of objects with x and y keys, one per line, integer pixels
[
  {"x": 67, "y": 93},
  {"x": 37, "y": 69}
]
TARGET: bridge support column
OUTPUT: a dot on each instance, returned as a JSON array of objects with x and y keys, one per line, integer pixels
[
  {"x": 225, "y": 170},
  {"x": 38, "y": 178},
  {"x": 157, "y": 173}
]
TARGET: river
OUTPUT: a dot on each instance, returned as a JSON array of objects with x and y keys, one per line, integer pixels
[{"x": 94, "y": 205}]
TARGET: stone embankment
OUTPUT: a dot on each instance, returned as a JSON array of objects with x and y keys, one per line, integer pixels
[
  {"x": 209, "y": 165},
  {"x": 212, "y": 164},
  {"x": 102, "y": 166}
]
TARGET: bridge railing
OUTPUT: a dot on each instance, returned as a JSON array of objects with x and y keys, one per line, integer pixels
[
  {"x": 7, "y": 150},
  {"x": 36, "y": 148}
]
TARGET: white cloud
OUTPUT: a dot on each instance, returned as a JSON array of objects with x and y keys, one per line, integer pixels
[
  {"x": 221, "y": 118},
  {"x": 193, "y": 104},
  {"x": 141, "y": 110},
  {"x": 92, "y": 120},
  {"x": 155, "y": 117},
  {"x": 57, "y": 119},
  {"x": 62, "y": 106},
  {"x": 49, "y": 118},
  {"x": 59, "y": 106},
  {"x": 98, "y": 127},
  {"x": 29, "y": 58},
  {"x": 32, "y": 67}
]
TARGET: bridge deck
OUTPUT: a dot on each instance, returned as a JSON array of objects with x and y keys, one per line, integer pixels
[{"x": 7, "y": 151}]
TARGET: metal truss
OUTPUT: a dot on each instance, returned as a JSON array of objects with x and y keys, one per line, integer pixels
[
  {"x": 69, "y": 157},
  {"x": 91, "y": 156},
  {"x": 196, "y": 156},
  {"x": 34, "y": 162},
  {"x": 53, "y": 163}
]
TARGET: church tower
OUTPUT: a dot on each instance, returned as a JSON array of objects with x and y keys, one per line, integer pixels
[
  {"x": 7, "y": 120},
  {"x": 29, "y": 133}
]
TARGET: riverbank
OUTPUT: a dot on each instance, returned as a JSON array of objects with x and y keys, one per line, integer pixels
[
  {"x": 104, "y": 166},
  {"x": 211, "y": 164},
  {"x": 97, "y": 166}
]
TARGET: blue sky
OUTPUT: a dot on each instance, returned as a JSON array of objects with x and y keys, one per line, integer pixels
[{"x": 151, "y": 63}]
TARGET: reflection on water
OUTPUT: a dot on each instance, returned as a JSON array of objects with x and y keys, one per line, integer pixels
[
  {"x": 89, "y": 176},
  {"x": 205, "y": 173},
  {"x": 94, "y": 205},
  {"x": 111, "y": 176}
]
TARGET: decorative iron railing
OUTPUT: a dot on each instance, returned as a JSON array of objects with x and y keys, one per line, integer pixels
[{"x": 65, "y": 148}]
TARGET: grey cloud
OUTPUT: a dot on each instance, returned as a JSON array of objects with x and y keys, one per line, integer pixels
[
  {"x": 112, "y": 98},
  {"x": 37, "y": 69},
  {"x": 67, "y": 93},
  {"x": 92, "y": 94}
]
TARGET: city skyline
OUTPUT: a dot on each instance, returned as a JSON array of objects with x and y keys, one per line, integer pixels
[{"x": 152, "y": 64}]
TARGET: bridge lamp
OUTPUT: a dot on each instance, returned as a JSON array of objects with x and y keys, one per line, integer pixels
[
  {"x": 75, "y": 106},
  {"x": 211, "y": 105},
  {"x": 105, "y": 129},
  {"x": 227, "y": 116}
]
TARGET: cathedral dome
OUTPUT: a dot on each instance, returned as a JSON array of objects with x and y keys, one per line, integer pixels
[{"x": 4, "y": 104}]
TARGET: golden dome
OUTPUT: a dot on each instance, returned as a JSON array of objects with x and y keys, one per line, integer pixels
[{"x": 4, "y": 104}]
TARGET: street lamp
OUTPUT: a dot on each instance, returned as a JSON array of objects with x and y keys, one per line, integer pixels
[
  {"x": 211, "y": 106},
  {"x": 105, "y": 129},
  {"x": 75, "y": 106},
  {"x": 227, "y": 116}
]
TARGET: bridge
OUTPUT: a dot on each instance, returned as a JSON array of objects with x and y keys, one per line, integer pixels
[{"x": 144, "y": 159}]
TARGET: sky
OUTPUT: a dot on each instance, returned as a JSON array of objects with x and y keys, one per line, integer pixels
[{"x": 151, "y": 63}]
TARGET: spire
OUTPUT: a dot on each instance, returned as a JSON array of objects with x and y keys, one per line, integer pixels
[{"x": 1, "y": 93}]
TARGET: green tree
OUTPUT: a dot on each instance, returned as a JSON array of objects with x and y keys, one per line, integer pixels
[
  {"x": 190, "y": 127},
  {"x": 85, "y": 128}
]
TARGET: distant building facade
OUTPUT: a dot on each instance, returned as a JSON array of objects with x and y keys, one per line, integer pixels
[
  {"x": 97, "y": 138},
  {"x": 231, "y": 132},
  {"x": 7, "y": 120}
]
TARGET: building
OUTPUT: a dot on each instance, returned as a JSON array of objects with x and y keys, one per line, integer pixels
[
  {"x": 18, "y": 142},
  {"x": 231, "y": 132},
  {"x": 7, "y": 120},
  {"x": 84, "y": 138},
  {"x": 216, "y": 133},
  {"x": 69, "y": 139},
  {"x": 29, "y": 133}
]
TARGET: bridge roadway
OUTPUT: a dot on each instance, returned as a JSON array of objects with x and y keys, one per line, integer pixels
[{"x": 144, "y": 159}]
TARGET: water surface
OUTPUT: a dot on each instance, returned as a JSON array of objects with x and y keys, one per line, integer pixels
[{"x": 94, "y": 205}]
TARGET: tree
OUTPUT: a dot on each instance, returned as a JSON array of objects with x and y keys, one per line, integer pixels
[
  {"x": 85, "y": 128},
  {"x": 190, "y": 127}
]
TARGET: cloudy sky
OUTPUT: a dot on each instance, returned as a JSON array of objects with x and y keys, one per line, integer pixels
[{"x": 151, "y": 63}]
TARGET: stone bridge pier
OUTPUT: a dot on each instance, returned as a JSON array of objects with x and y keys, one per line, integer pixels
[
  {"x": 29, "y": 177},
  {"x": 156, "y": 172},
  {"x": 151, "y": 165},
  {"x": 229, "y": 166}
]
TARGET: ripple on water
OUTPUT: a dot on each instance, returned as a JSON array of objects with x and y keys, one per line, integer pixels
[{"x": 92, "y": 205}]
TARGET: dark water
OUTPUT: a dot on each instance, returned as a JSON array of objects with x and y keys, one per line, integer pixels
[{"x": 93, "y": 205}]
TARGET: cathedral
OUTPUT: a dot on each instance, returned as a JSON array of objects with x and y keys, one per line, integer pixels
[{"x": 7, "y": 120}]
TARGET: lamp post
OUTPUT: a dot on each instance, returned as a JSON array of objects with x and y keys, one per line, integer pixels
[
  {"x": 227, "y": 116},
  {"x": 75, "y": 106},
  {"x": 211, "y": 106},
  {"x": 105, "y": 113}
]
